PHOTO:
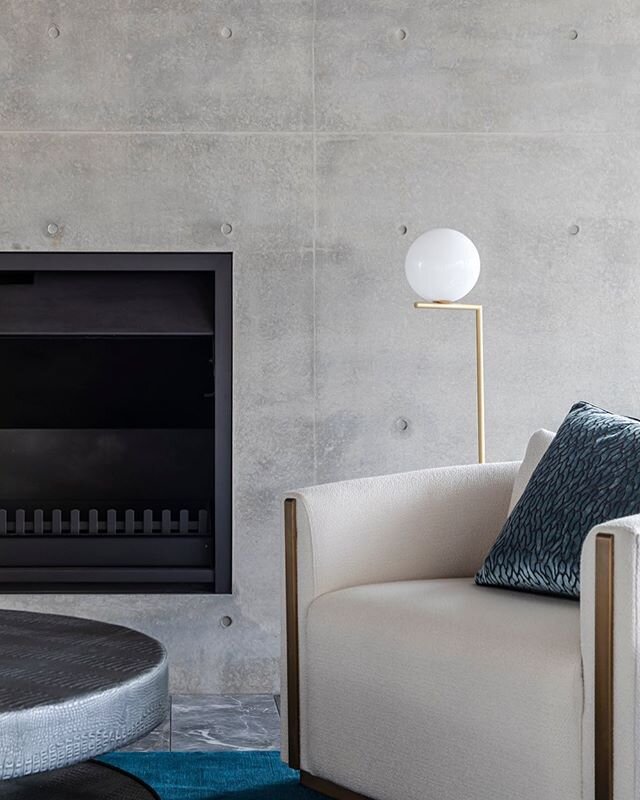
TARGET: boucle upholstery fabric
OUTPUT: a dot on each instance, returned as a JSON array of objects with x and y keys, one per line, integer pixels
[
  {"x": 443, "y": 690},
  {"x": 589, "y": 474},
  {"x": 536, "y": 448}
]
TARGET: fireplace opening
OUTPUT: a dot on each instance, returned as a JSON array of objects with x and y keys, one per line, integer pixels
[{"x": 115, "y": 422}]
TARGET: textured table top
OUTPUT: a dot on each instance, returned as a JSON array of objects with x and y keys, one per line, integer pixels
[{"x": 73, "y": 688}]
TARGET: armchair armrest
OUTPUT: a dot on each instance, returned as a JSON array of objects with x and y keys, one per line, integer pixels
[
  {"x": 610, "y": 643},
  {"x": 432, "y": 523}
]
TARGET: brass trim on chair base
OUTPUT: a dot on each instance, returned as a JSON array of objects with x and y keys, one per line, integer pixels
[
  {"x": 293, "y": 645},
  {"x": 329, "y": 789},
  {"x": 603, "y": 727}
]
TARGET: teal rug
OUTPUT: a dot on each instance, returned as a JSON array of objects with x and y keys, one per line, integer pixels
[{"x": 250, "y": 775}]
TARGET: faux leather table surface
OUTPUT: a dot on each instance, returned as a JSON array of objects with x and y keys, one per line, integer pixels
[{"x": 74, "y": 688}]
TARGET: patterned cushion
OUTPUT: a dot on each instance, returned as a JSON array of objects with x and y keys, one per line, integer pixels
[{"x": 590, "y": 474}]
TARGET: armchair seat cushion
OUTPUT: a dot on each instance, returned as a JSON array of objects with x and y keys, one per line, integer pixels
[{"x": 471, "y": 692}]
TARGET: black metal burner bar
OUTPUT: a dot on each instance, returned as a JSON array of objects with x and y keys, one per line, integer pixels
[
  {"x": 110, "y": 521},
  {"x": 130, "y": 577},
  {"x": 61, "y": 552}
]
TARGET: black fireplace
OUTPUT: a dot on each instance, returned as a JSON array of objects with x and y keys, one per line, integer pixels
[{"x": 115, "y": 422}]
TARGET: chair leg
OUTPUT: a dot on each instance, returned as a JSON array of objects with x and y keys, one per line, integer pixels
[{"x": 604, "y": 667}]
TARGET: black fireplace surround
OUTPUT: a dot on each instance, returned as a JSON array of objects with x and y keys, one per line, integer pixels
[{"x": 115, "y": 422}]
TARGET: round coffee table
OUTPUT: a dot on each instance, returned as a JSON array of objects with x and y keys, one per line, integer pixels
[{"x": 71, "y": 689}]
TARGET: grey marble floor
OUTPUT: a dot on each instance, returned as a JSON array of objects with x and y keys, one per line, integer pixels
[{"x": 217, "y": 722}]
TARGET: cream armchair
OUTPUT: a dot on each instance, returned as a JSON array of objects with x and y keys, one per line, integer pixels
[{"x": 403, "y": 680}]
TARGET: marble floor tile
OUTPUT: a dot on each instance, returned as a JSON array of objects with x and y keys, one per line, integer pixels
[
  {"x": 158, "y": 739},
  {"x": 225, "y": 722}
]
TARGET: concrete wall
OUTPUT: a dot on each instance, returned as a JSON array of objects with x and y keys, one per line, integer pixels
[{"x": 317, "y": 130}]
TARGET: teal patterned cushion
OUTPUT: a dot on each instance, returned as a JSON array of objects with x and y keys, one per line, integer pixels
[{"x": 590, "y": 474}]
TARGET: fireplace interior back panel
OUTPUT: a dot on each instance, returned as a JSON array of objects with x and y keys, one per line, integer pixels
[
  {"x": 110, "y": 303},
  {"x": 112, "y": 420}
]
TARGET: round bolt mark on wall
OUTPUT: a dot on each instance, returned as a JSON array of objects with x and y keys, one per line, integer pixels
[
  {"x": 402, "y": 230},
  {"x": 226, "y": 32},
  {"x": 52, "y": 229},
  {"x": 573, "y": 35},
  {"x": 226, "y": 622},
  {"x": 401, "y": 34},
  {"x": 402, "y": 424},
  {"x": 54, "y": 31},
  {"x": 226, "y": 228},
  {"x": 574, "y": 230}
]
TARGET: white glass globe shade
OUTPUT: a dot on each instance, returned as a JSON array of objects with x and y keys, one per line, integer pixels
[{"x": 442, "y": 265}]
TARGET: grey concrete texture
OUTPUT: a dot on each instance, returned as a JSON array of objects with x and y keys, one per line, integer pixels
[
  {"x": 141, "y": 127},
  {"x": 543, "y": 66},
  {"x": 156, "y": 65},
  {"x": 157, "y": 192}
]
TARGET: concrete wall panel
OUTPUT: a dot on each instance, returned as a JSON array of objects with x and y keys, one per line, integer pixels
[
  {"x": 219, "y": 65},
  {"x": 401, "y": 65},
  {"x": 156, "y": 192}
]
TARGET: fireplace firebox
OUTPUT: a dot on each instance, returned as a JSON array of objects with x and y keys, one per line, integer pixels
[{"x": 115, "y": 422}]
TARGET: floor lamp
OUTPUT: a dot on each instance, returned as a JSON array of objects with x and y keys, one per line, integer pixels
[{"x": 442, "y": 266}]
